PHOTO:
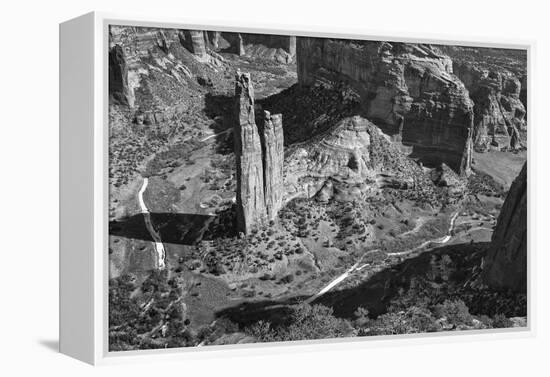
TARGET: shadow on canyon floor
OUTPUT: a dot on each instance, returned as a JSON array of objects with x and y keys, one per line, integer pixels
[
  {"x": 176, "y": 228},
  {"x": 433, "y": 276},
  {"x": 219, "y": 105}
]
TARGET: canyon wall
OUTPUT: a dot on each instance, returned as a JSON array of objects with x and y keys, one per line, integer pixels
[
  {"x": 408, "y": 90},
  {"x": 195, "y": 42},
  {"x": 259, "y": 158},
  {"x": 505, "y": 266},
  {"x": 496, "y": 79},
  {"x": 350, "y": 159},
  {"x": 499, "y": 113},
  {"x": 281, "y": 48},
  {"x": 118, "y": 77}
]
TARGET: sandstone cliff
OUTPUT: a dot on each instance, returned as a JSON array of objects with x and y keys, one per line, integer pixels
[
  {"x": 353, "y": 156},
  {"x": 281, "y": 48},
  {"x": 505, "y": 266},
  {"x": 195, "y": 42},
  {"x": 499, "y": 114},
  {"x": 167, "y": 60},
  {"x": 259, "y": 158},
  {"x": 408, "y": 90},
  {"x": 273, "y": 158},
  {"x": 118, "y": 77},
  {"x": 251, "y": 207}
]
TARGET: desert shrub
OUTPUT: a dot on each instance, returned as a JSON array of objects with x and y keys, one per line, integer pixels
[
  {"x": 306, "y": 322},
  {"x": 287, "y": 279},
  {"x": 500, "y": 321},
  {"x": 456, "y": 312},
  {"x": 413, "y": 320}
]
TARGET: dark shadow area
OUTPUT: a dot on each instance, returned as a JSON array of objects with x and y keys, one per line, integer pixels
[
  {"x": 220, "y": 107},
  {"x": 248, "y": 313},
  {"x": 308, "y": 111},
  {"x": 52, "y": 345},
  {"x": 408, "y": 283},
  {"x": 176, "y": 228},
  {"x": 216, "y": 104}
]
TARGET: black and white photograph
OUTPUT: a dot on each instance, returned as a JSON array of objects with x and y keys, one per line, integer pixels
[{"x": 275, "y": 188}]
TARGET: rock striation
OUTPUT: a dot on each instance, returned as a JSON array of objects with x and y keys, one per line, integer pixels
[
  {"x": 353, "y": 156},
  {"x": 251, "y": 207},
  {"x": 118, "y": 77},
  {"x": 499, "y": 113},
  {"x": 505, "y": 266},
  {"x": 195, "y": 42},
  {"x": 409, "y": 90},
  {"x": 281, "y": 48},
  {"x": 259, "y": 158},
  {"x": 273, "y": 157}
]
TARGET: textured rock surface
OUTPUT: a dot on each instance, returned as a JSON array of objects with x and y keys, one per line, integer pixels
[
  {"x": 354, "y": 153},
  {"x": 505, "y": 266},
  {"x": 118, "y": 77},
  {"x": 498, "y": 110},
  {"x": 170, "y": 57},
  {"x": 408, "y": 90},
  {"x": 195, "y": 42},
  {"x": 273, "y": 158},
  {"x": 251, "y": 207},
  {"x": 281, "y": 48}
]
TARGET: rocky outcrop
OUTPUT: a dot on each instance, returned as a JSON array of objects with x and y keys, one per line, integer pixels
[
  {"x": 281, "y": 48},
  {"x": 118, "y": 77},
  {"x": 273, "y": 157},
  {"x": 409, "y": 90},
  {"x": 505, "y": 266},
  {"x": 353, "y": 156},
  {"x": 497, "y": 82},
  {"x": 251, "y": 207},
  {"x": 498, "y": 111},
  {"x": 195, "y": 42},
  {"x": 259, "y": 158}
]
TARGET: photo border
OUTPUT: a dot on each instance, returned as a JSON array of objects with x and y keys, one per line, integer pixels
[{"x": 101, "y": 194}]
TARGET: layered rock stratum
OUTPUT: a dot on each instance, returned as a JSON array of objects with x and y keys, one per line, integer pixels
[
  {"x": 505, "y": 266},
  {"x": 409, "y": 90},
  {"x": 259, "y": 159},
  {"x": 353, "y": 156},
  {"x": 497, "y": 86},
  {"x": 251, "y": 207},
  {"x": 273, "y": 158}
]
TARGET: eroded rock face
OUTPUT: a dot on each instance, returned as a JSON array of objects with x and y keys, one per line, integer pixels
[
  {"x": 251, "y": 207},
  {"x": 505, "y": 266},
  {"x": 281, "y": 48},
  {"x": 165, "y": 56},
  {"x": 409, "y": 90},
  {"x": 273, "y": 158},
  {"x": 118, "y": 76},
  {"x": 498, "y": 111},
  {"x": 354, "y": 154},
  {"x": 259, "y": 158},
  {"x": 195, "y": 42}
]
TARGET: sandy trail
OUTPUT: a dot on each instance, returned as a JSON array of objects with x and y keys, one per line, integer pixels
[
  {"x": 355, "y": 267},
  {"x": 214, "y": 135},
  {"x": 159, "y": 246}
]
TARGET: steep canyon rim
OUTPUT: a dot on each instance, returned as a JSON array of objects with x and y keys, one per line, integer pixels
[{"x": 275, "y": 164}]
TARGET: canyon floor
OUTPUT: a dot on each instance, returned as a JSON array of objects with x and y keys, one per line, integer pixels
[{"x": 354, "y": 255}]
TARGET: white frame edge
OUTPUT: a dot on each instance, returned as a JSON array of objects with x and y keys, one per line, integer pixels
[{"x": 83, "y": 168}]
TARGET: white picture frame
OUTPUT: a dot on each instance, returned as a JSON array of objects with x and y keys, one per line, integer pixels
[{"x": 84, "y": 192}]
